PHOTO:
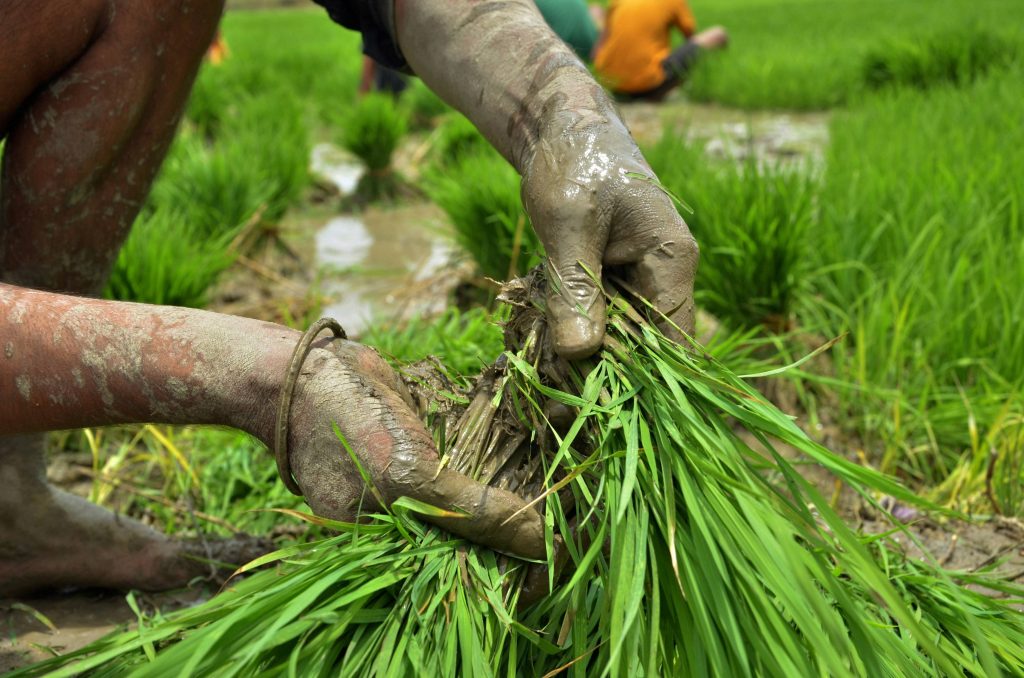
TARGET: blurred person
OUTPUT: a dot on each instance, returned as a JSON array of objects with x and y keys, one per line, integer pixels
[
  {"x": 218, "y": 51},
  {"x": 634, "y": 57},
  {"x": 574, "y": 22},
  {"x": 377, "y": 78},
  {"x": 91, "y": 93}
]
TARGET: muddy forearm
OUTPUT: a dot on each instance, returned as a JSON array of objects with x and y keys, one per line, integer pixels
[
  {"x": 68, "y": 362},
  {"x": 498, "y": 62}
]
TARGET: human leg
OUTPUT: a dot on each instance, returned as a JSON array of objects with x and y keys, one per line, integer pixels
[{"x": 90, "y": 96}]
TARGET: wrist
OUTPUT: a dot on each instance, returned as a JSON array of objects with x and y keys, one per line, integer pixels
[{"x": 251, "y": 402}]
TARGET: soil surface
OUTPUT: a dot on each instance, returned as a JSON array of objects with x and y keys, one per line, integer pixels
[{"x": 78, "y": 619}]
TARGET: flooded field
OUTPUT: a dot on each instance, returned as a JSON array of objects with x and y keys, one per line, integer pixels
[{"x": 386, "y": 263}]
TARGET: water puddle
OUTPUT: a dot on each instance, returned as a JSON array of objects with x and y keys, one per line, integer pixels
[
  {"x": 336, "y": 166},
  {"x": 771, "y": 137},
  {"x": 384, "y": 264}
]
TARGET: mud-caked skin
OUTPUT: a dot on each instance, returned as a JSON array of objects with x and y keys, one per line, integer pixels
[
  {"x": 91, "y": 92},
  {"x": 591, "y": 196}
]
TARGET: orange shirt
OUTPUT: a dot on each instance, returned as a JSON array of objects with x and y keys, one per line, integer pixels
[{"x": 636, "y": 41}]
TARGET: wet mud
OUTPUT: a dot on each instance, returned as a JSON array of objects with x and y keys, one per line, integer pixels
[
  {"x": 774, "y": 137},
  {"x": 79, "y": 619},
  {"x": 385, "y": 263}
]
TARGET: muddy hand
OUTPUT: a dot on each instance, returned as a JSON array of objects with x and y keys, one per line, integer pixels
[
  {"x": 349, "y": 384},
  {"x": 595, "y": 202},
  {"x": 591, "y": 196}
]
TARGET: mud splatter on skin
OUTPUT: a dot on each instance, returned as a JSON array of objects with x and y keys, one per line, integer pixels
[
  {"x": 169, "y": 365},
  {"x": 24, "y": 385},
  {"x": 81, "y": 152},
  {"x": 591, "y": 196},
  {"x": 84, "y": 148}
]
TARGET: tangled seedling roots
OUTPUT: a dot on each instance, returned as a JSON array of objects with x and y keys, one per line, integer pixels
[{"x": 487, "y": 434}]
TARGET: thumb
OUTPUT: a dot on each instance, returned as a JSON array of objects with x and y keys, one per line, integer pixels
[{"x": 489, "y": 516}]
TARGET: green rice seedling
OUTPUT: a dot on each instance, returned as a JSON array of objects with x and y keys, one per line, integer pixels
[
  {"x": 752, "y": 222},
  {"x": 454, "y": 139},
  {"x": 464, "y": 341},
  {"x": 692, "y": 554},
  {"x": 918, "y": 252},
  {"x": 371, "y": 131},
  {"x": 480, "y": 195},
  {"x": 168, "y": 259},
  {"x": 213, "y": 189},
  {"x": 214, "y": 100},
  {"x": 299, "y": 55},
  {"x": 271, "y": 135},
  {"x": 808, "y": 54},
  {"x": 253, "y": 171},
  {"x": 423, "y": 105},
  {"x": 957, "y": 57}
]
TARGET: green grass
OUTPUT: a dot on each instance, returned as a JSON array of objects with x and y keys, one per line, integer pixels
[
  {"x": 810, "y": 54},
  {"x": 921, "y": 225},
  {"x": 752, "y": 222},
  {"x": 693, "y": 555},
  {"x": 168, "y": 259},
  {"x": 480, "y": 194}
]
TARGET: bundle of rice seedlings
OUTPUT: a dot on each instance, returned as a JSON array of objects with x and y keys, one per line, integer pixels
[
  {"x": 455, "y": 139},
  {"x": 423, "y": 105},
  {"x": 689, "y": 552},
  {"x": 169, "y": 259},
  {"x": 753, "y": 222},
  {"x": 480, "y": 194},
  {"x": 271, "y": 135},
  {"x": 214, "y": 189},
  {"x": 371, "y": 131}
]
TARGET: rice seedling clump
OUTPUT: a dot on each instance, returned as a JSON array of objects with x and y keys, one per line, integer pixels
[
  {"x": 690, "y": 553},
  {"x": 480, "y": 194},
  {"x": 371, "y": 131}
]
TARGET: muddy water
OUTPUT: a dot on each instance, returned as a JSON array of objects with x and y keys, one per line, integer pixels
[
  {"x": 384, "y": 263},
  {"x": 336, "y": 166},
  {"x": 767, "y": 136}
]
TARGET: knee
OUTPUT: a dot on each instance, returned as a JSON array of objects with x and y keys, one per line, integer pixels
[{"x": 163, "y": 32}]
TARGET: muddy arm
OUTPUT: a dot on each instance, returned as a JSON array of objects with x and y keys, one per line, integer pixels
[
  {"x": 590, "y": 194},
  {"x": 70, "y": 362},
  {"x": 500, "y": 64}
]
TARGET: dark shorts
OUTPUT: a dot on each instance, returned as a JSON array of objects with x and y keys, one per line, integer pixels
[
  {"x": 676, "y": 66},
  {"x": 372, "y": 18}
]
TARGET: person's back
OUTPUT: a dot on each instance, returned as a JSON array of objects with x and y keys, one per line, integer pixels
[
  {"x": 571, "y": 21},
  {"x": 637, "y": 41}
]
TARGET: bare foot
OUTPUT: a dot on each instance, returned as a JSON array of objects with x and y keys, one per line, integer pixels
[
  {"x": 715, "y": 37},
  {"x": 50, "y": 539}
]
